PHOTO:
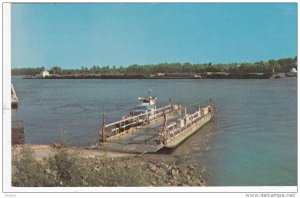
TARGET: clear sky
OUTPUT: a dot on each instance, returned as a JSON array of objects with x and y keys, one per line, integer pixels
[{"x": 122, "y": 34}]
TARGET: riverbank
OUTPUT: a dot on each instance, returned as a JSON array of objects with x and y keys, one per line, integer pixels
[{"x": 55, "y": 165}]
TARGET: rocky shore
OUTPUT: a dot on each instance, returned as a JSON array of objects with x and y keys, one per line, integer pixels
[{"x": 54, "y": 165}]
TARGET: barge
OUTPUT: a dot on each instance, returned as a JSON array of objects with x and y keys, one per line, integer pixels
[{"x": 149, "y": 128}]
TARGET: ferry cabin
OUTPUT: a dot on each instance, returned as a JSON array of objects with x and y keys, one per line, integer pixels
[
  {"x": 143, "y": 108},
  {"x": 148, "y": 104}
]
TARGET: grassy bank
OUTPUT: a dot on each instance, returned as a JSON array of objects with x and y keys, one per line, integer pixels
[{"x": 56, "y": 166}]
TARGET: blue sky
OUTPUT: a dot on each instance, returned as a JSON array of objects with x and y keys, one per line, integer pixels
[{"x": 122, "y": 34}]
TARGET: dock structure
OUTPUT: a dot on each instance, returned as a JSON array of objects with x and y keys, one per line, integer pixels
[
  {"x": 14, "y": 98},
  {"x": 17, "y": 126}
]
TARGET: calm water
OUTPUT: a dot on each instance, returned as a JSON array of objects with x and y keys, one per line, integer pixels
[{"x": 253, "y": 136}]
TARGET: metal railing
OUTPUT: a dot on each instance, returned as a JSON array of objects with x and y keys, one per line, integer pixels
[
  {"x": 119, "y": 127},
  {"x": 174, "y": 129}
]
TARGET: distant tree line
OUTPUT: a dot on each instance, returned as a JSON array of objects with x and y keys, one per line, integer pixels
[{"x": 280, "y": 65}]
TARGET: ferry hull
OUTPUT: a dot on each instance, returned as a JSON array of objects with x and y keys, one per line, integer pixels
[
  {"x": 291, "y": 74},
  {"x": 175, "y": 141}
]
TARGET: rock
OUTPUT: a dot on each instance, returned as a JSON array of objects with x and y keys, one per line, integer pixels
[
  {"x": 163, "y": 165},
  {"x": 152, "y": 167},
  {"x": 85, "y": 183},
  {"x": 154, "y": 183},
  {"x": 188, "y": 177},
  {"x": 47, "y": 170},
  {"x": 203, "y": 170},
  {"x": 127, "y": 166},
  {"x": 191, "y": 167},
  {"x": 189, "y": 172},
  {"x": 174, "y": 172}
]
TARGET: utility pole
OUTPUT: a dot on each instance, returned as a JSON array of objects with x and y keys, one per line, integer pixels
[
  {"x": 171, "y": 105},
  {"x": 103, "y": 126},
  {"x": 165, "y": 119}
]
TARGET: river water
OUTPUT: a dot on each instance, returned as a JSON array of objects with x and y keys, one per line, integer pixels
[{"x": 251, "y": 141}]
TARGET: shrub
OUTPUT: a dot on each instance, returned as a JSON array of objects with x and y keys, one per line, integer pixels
[
  {"x": 29, "y": 172},
  {"x": 67, "y": 168}
]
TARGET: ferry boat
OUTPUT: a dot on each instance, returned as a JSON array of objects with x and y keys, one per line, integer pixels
[
  {"x": 293, "y": 73},
  {"x": 149, "y": 128}
]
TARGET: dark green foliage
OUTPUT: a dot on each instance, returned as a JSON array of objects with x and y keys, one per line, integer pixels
[
  {"x": 27, "y": 71},
  {"x": 281, "y": 65}
]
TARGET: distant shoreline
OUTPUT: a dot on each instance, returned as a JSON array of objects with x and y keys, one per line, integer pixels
[
  {"x": 150, "y": 78},
  {"x": 211, "y": 75}
]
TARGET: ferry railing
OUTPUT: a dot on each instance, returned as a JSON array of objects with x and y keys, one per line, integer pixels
[
  {"x": 172, "y": 130},
  {"x": 117, "y": 127},
  {"x": 141, "y": 115}
]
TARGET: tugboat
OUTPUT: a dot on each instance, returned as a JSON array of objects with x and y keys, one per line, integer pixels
[{"x": 292, "y": 73}]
